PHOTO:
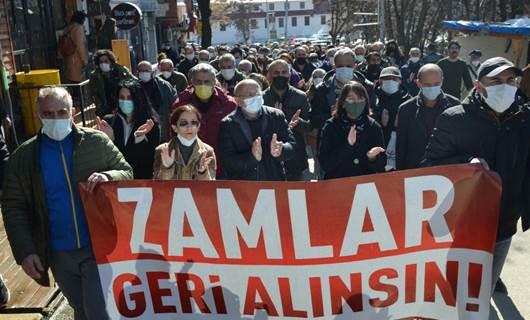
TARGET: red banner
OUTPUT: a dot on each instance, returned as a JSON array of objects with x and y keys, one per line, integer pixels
[{"x": 412, "y": 243}]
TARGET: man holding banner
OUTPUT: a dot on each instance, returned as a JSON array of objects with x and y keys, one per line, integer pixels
[
  {"x": 492, "y": 126},
  {"x": 43, "y": 216}
]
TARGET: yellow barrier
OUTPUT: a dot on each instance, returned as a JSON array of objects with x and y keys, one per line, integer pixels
[{"x": 29, "y": 84}]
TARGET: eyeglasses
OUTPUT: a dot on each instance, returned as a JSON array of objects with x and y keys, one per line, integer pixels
[{"x": 184, "y": 123}]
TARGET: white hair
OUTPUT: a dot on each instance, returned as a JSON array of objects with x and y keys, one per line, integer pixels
[
  {"x": 227, "y": 57},
  {"x": 344, "y": 52},
  {"x": 246, "y": 82},
  {"x": 167, "y": 61},
  {"x": 58, "y": 93},
  {"x": 202, "y": 67}
]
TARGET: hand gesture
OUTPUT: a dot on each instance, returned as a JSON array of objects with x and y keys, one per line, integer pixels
[
  {"x": 204, "y": 163},
  {"x": 104, "y": 127},
  {"x": 301, "y": 84},
  {"x": 32, "y": 266},
  {"x": 278, "y": 105},
  {"x": 94, "y": 179},
  {"x": 257, "y": 152},
  {"x": 352, "y": 135},
  {"x": 276, "y": 146},
  {"x": 374, "y": 152},
  {"x": 385, "y": 117},
  {"x": 144, "y": 128},
  {"x": 295, "y": 119},
  {"x": 167, "y": 159}
]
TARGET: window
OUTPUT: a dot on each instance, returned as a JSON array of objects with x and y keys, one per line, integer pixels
[
  {"x": 271, "y": 19},
  {"x": 306, "y": 20},
  {"x": 286, "y": 5},
  {"x": 271, "y": 6},
  {"x": 222, "y": 26},
  {"x": 280, "y": 22},
  {"x": 302, "y": 5},
  {"x": 253, "y": 24},
  {"x": 255, "y": 7},
  {"x": 322, "y": 19},
  {"x": 293, "y": 21}
]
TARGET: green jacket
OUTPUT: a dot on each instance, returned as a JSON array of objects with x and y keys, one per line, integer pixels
[
  {"x": 24, "y": 201},
  {"x": 97, "y": 88},
  {"x": 177, "y": 80}
]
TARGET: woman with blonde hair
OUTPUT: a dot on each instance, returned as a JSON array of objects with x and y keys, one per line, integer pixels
[{"x": 185, "y": 156}]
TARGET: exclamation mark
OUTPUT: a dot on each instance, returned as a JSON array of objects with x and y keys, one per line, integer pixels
[{"x": 474, "y": 282}]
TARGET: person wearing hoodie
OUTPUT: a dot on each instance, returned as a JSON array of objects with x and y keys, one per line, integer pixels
[
  {"x": 390, "y": 95},
  {"x": 352, "y": 142},
  {"x": 409, "y": 71},
  {"x": 228, "y": 76},
  {"x": 326, "y": 93}
]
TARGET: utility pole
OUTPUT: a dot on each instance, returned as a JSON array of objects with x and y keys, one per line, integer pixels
[
  {"x": 267, "y": 21},
  {"x": 381, "y": 18},
  {"x": 286, "y": 16}
]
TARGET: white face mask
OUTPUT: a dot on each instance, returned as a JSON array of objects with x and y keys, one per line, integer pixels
[
  {"x": 105, "y": 67},
  {"x": 190, "y": 56},
  {"x": 500, "y": 97},
  {"x": 166, "y": 74},
  {"x": 144, "y": 76},
  {"x": 344, "y": 74},
  {"x": 390, "y": 86},
  {"x": 475, "y": 63},
  {"x": 431, "y": 93},
  {"x": 254, "y": 104},
  {"x": 56, "y": 129},
  {"x": 186, "y": 142},
  {"x": 228, "y": 74},
  {"x": 317, "y": 81},
  {"x": 414, "y": 59}
]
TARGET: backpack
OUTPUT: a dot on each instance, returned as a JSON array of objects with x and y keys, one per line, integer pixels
[{"x": 66, "y": 45}]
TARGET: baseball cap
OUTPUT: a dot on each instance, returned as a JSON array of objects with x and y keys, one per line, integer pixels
[
  {"x": 475, "y": 53},
  {"x": 390, "y": 72},
  {"x": 494, "y": 66}
]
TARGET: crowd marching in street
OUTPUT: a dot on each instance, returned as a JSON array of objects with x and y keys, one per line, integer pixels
[{"x": 260, "y": 112}]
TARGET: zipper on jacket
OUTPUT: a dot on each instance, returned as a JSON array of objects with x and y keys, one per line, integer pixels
[{"x": 72, "y": 202}]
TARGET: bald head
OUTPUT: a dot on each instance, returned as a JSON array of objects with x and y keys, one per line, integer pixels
[
  {"x": 429, "y": 69},
  {"x": 247, "y": 88}
]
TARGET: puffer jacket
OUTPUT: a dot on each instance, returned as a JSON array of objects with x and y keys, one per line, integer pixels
[
  {"x": 473, "y": 130},
  {"x": 24, "y": 203}
]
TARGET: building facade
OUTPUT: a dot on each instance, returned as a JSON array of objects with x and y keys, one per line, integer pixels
[{"x": 268, "y": 21}]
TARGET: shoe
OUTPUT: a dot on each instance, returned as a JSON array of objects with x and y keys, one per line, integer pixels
[
  {"x": 4, "y": 293},
  {"x": 501, "y": 287}
]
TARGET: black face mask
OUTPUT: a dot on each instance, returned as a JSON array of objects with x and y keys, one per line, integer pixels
[
  {"x": 301, "y": 60},
  {"x": 280, "y": 83},
  {"x": 373, "y": 67}
]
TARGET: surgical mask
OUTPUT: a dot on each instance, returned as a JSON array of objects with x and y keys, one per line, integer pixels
[
  {"x": 475, "y": 63},
  {"x": 360, "y": 58},
  {"x": 211, "y": 55},
  {"x": 238, "y": 60},
  {"x": 500, "y": 97},
  {"x": 280, "y": 82},
  {"x": 414, "y": 59},
  {"x": 126, "y": 106},
  {"x": 203, "y": 92},
  {"x": 354, "y": 109},
  {"x": 254, "y": 104},
  {"x": 390, "y": 86},
  {"x": 228, "y": 74},
  {"x": 105, "y": 67},
  {"x": 317, "y": 81},
  {"x": 431, "y": 93},
  {"x": 190, "y": 56},
  {"x": 144, "y": 76},
  {"x": 331, "y": 60},
  {"x": 301, "y": 60},
  {"x": 344, "y": 74},
  {"x": 56, "y": 129},
  {"x": 166, "y": 74},
  {"x": 186, "y": 142}
]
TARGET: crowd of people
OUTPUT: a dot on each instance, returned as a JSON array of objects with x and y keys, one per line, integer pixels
[{"x": 253, "y": 112}]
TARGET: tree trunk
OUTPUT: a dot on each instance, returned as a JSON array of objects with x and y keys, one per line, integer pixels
[{"x": 204, "y": 8}]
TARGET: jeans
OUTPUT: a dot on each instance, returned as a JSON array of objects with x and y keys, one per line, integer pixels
[
  {"x": 77, "y": 275},
  {"x": 499, "y": 257}
]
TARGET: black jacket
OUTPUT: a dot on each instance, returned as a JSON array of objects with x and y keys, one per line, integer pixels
[
  {"x": 185, "y": 66},
  {"x": 472, "y": 130},
  {"x": 412, "y": 137},
  {"x": 235, "y": 145},
  {"x": 339, "y": 159},
  {"x": 326, "y": 95},
  {"x": 291, "y": 101},
  {"x": 390, "y": 103},
  {"x": 307, "y": 72},
  {"x": 139, "y": 155}
]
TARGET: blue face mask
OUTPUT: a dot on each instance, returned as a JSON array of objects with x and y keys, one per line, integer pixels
[{"x": 126, "y": 106}]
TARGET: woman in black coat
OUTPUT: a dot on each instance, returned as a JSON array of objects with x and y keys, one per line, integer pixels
[
  {"x": 351, "y": 141},
  {"x": 133, "y": 128}
]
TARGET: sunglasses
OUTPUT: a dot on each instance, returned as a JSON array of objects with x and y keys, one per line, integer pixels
[{"x": 184, "y": 123}]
